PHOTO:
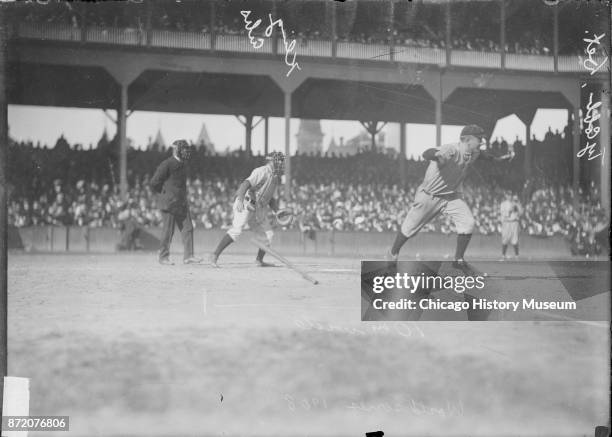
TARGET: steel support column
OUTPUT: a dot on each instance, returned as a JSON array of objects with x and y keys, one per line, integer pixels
[
  {"x": 502, "y": 33},
  {"x": 556, "y": 37},
  {"x": 266, "y": 135},
  {"x": 528, "y": 161},
  {"x": 402, "y": 158},
  {"x": 438, "y": 99},
  {"x": 526, "y": 115},
  {"x": 449, "y": 41},
  {"x": 122, "y": 137},
  {"x": 391, "y": 30},
  {"x": 287, "y": 146},
  {"x": 334, "y": 29}
]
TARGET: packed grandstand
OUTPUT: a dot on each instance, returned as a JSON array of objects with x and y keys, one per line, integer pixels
[
  {"x": 68, "y": 186},
  {"x": 529, "y": 23}
]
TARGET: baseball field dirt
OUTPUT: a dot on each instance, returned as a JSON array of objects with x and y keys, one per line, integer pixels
[{"x": 125, "y": 346}]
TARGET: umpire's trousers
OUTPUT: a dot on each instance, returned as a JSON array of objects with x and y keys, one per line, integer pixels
[{"x": 183, "y": 222}]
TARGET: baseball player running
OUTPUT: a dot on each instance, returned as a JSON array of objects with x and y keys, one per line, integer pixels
[
  {"x": 440, "y": 192},
  {"x": 254, "y": 199},
  {"x": 510, "y": 211}
]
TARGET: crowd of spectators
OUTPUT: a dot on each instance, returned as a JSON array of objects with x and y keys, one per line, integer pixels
[
  {"x": 67, "y": 186},
  {"x": 475, "y": 25}
]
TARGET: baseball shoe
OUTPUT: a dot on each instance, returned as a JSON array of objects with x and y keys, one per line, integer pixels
[
  {"x": 193, "y": 260},
  {"x": 467, "y": 268},
  {"x": 213, "y": 260},
  {"x": 262, "y": 263},
  {"x": 503, "y": 258},
  {"x": 166, "y": 262},
  {"x": 391, "y": 257}
]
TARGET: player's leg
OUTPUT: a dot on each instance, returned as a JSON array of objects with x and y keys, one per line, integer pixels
[
  {"x": 464, "y": 222},
  {"x": 185, "y": 225},
  {"x": 239, "y": 221},
  {"x": 261, "y": 226},
  {"x": 423, "y": 210},
  {"x": 259, "y": 259},
  {"x": 505, "y": 239},
  {"x": 168, "y": 221},
  {"x": 515, "y": 238}
]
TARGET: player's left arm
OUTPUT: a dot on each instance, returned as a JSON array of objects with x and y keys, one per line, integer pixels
[
  {"x": 273, "y": 204},
  {"x": 441, "y": 155},
  {"x": 519, "y": 209},
  {"x": 487, "y": 155}
]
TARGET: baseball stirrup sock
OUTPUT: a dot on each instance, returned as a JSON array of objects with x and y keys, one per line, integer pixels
[
  {"x": 260, "y": 255},
  {"x": 516, "y": 249},
  {"x": 400, "y": 239},
  {"x": 504, "y": 248},
  {"x": 225, "y": 241},
  {"x": 462, "y": 243}
]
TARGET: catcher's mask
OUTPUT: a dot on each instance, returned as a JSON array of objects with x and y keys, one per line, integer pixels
[
  {"x": 183, "y": 150},
  {"x": 278, "y": 162}
]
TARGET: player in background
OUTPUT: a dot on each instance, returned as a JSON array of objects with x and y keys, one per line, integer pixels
[
  {"x": 440, "y": 192},
  {"x": 510, "y": 212},
  {"x": 254, "y": 199}
]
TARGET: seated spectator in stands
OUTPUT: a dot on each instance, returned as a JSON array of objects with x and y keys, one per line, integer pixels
[{"x": 129, "y": 227}]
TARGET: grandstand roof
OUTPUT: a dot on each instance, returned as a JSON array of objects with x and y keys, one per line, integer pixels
[{"x": 316, "y": 98}]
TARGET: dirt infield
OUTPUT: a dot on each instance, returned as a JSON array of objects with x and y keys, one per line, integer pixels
[{"x": 126, "y": 347}]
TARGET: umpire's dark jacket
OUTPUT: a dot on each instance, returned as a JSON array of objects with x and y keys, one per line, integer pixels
[{"x": 170, "y": 181}]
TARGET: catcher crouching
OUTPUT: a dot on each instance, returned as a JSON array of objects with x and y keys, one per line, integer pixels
[{"x": 254, "y": 200}]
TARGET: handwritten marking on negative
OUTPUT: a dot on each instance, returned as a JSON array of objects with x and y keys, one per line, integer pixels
[
  {"x": 592, "y": 115},
  {"x": 257, "y": 43},
  {"x": 593, "y": 45}
]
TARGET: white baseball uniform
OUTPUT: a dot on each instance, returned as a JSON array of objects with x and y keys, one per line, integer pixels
[
  {"x": 440, "y": 192},
  {"x": 263, "y": 184},
  {"x": 510, "y": 213}
]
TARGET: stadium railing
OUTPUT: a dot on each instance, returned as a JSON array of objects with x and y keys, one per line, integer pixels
[
  {"x": 58, "y": 32},
  {"x": 183, "y": 40},
  {"x": 304, "y": 47},
  {"x": 467, "y": 58},
  {"x": 355, "y": 50},
  {"x": 530, "y": 62},
  {"x": 572, "y": 63},
  {"x": 115, "y": 36},
  {"x": 240, "y": 43},
  {"x": 292, "y": 242}
]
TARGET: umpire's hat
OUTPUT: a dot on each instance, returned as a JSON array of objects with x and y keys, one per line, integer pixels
[{"x": 474, "y": 130}]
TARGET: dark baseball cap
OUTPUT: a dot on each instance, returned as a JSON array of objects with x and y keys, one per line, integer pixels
[{"x": 473, "y": 130}]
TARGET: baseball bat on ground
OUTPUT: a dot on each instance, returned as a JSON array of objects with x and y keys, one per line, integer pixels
[{"x": 282, "y": 259}]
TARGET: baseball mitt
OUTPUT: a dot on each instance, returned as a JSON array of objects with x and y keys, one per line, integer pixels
[{"x": 284, "y": 216}]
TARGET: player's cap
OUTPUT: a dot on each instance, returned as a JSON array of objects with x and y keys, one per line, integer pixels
[{"x": 473, "y": 130}]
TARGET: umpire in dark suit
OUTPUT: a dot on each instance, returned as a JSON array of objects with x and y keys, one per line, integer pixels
[{"x": 170, "y": 181}]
